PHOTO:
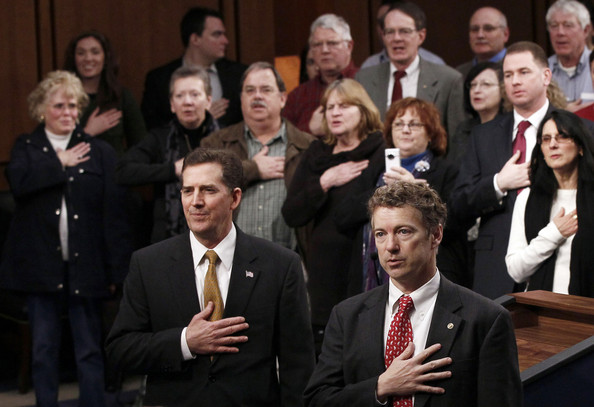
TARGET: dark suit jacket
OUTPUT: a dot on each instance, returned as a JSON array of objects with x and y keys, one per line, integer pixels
[
  {"x": 160, "y": 299},
  {"x": 474, "y": 195},
  {"x": 155, "y": 100},
  {"x": 475, "y": 332},
  {"x": 438, "y": 84}
]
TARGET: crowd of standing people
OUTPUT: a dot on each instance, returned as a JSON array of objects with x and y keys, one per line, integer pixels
[{"x": 501, "y": 166}]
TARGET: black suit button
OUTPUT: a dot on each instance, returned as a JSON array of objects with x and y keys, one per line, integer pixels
[{"x": 212, "y": 379}]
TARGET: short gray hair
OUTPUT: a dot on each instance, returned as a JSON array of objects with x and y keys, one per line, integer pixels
[
  {"x": 571, "y": 7},
  {"x": 334, "y": 23}
]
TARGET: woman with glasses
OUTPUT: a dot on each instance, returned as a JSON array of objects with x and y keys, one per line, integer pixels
[
  {"x": 412, "y": 125},
  {"x": 482, "y": 100},
  {"x": 324, "y": 179},
  {"x": 550, "y": 245},
  {"x": 68, "y": 245}
]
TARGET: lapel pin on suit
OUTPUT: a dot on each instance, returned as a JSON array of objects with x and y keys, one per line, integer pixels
[{"x": 249, "y": 274}]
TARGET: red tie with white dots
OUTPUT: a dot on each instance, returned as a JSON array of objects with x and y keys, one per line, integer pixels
[{"x": 399, "y": 335}]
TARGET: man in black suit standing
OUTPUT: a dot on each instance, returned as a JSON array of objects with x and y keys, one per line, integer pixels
[
  {"x": 461, "y": 349},
  {"x": 205, "y": 43},
  {"x": 495, "y": 166},
  {"x": 208, "y": 314}
]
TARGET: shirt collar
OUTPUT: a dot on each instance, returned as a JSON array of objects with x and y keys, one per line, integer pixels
[
  {"x": 410, "y": 70},
  {"x": 421, "y": 297},
  {"x": 225, "y": 249},
  {"x": 282, "y": 133},
  {"x": 534, "y": 119},
  {"x": 583, "y": 62}
]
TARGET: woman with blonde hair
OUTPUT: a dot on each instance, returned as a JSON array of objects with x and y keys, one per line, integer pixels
[
  {"x": 68, "y": 245},
  {"x": 325, "y": 177}
]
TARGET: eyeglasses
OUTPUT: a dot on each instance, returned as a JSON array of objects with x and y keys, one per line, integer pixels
[
  {"x": 483, "y": 84},
  {"x": 318, "y": 45},
  {"x": 559, "y": 138},
  {"x": 568, "y": 25},
  {"x": 488, "y": 28},
  {"x": 413, "y": 126},
  {"x": 402, "y": 32}
]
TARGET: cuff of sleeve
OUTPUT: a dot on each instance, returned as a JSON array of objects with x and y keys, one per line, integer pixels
[
  {"x": 498, "y": 192},
  {"x": 186, "y": 353}
]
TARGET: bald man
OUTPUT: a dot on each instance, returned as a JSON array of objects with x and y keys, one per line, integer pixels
[{"x": 487, "y": 34}]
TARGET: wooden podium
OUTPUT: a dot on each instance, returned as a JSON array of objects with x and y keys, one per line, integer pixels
[{"x": 555, "y": 337}]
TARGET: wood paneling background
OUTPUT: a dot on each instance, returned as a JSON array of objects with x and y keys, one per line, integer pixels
[{"x": 145, "y": 34}]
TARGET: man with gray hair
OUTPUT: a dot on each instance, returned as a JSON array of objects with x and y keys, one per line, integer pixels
[
  {"x": 332, "y": 45},
  {"x": 487, "y": 35},
  {"x": 568, "y": 22},
  {"x": 269, "y": 148}
]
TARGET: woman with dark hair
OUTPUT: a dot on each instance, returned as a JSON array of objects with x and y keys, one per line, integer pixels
[
  {"x": 325, "y": 177},
  {"x": 482, "y": 100},
  {"x": 550, "y": 245},
  {"x": 112, "y": 114},
  {"x": 414, "y": 127}
]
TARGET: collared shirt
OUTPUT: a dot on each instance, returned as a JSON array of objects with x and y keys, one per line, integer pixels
[
  {"x": 580, "y": 82},
  {"x": 305, "y": 98},
  {"x": 260, "y": 210},
  {"x": 226, "y": 251},
  {"x": 382, "y": 57},
  {"x": 409, "y": 82},
  {"x": 424, "y": 299},
  {"x": 495, "y": 58},
  {"x": 529, "y": 135}
]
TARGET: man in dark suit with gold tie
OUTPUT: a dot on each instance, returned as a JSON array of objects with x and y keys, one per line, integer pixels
[{"x": 169, "y": 325}]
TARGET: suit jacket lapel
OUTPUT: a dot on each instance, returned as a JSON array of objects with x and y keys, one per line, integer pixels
[
  {"x": 444, "y": 326},
  {"x": 381, "y": 82},
  {"x": 426, "y": 86},
  {"x": 183, "y": 280},
  {"x": 244, "y": 276},
  {"x": 372, "y": 326}
]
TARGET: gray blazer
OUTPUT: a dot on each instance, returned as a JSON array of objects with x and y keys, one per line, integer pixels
[{"x": 438, "y": 84}]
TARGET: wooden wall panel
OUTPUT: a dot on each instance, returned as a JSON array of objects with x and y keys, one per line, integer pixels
[
  {"x": 255, "y": 29},
  {"x": 18, "y": 73},
  {"x": 145, "y": 34}
]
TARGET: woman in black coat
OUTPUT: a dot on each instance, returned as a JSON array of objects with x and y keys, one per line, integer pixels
[
  {"x": 325, "y": 177},
  {"x": 68, "y": 245}
]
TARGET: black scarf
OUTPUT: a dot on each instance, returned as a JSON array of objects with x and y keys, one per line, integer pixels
[
  {"x": 180, "y": 141},
  {"x": 537, "y": 216}
]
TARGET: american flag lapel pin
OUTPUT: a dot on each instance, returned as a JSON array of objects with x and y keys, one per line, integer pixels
[{"x": 249, "y": 274}]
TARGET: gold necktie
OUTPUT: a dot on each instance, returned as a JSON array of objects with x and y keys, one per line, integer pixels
[{"x": 211, "y": 287}]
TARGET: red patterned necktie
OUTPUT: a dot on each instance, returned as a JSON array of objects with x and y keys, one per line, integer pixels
[
  {"x": 520, "y": 141},
  {"x": 397, "y": 89},
  {"x": 399, "y": 335}
]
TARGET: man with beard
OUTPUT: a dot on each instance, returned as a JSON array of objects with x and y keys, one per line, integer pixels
[{"x": 270, "y": 149}]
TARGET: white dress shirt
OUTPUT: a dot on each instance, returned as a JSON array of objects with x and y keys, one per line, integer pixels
[
  {"x": 226, "y": 251},
  {"x": 529, "y": 135},
  {"x": 409, "y": 82}
]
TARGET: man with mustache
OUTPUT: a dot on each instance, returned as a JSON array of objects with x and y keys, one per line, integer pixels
[
  {"x": 270, "y": 148},
  {"x": 487, "y": 35}
]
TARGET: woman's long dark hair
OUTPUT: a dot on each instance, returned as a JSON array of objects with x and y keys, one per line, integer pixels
[
  {"x": 568, "y": 124},
  {"x": 109, "y": 92}
]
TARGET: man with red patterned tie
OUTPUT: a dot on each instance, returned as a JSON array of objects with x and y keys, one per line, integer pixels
[
  {"x": 420, "y": 339},
  {"x": 496, "y": 165}
]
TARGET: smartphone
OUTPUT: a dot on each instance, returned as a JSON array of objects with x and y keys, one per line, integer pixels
[{"x": 392, "y": 158}]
